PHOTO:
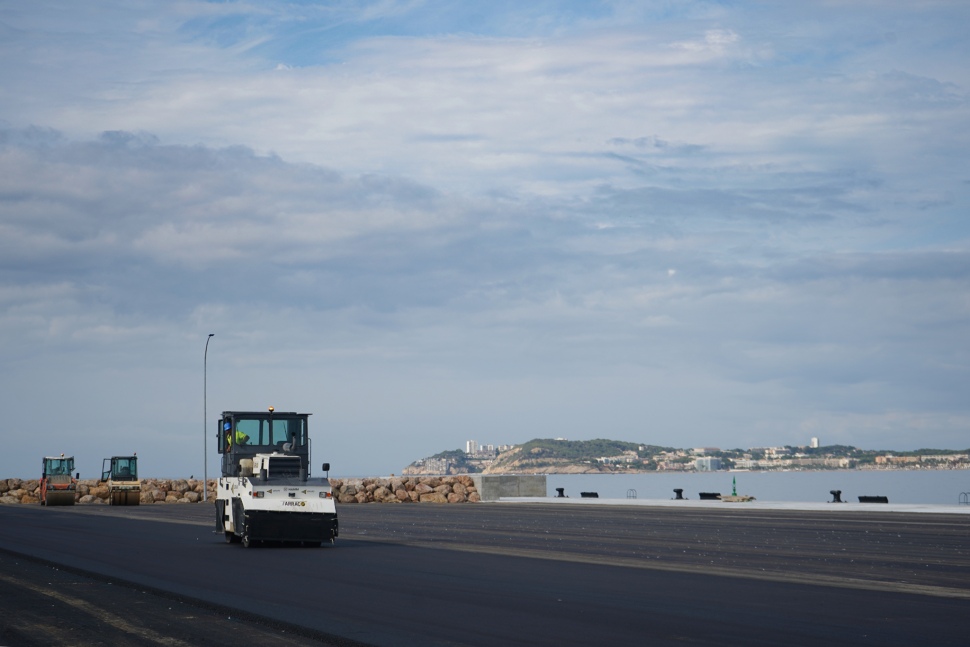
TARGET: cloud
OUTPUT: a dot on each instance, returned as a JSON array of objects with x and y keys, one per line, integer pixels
[{"x": 425, "y": 225}]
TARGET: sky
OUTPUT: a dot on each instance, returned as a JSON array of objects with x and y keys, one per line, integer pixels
[{"x": 685, "y": 223}]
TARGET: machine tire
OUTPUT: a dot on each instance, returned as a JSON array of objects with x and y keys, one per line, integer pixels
[
  {"x": 231, "y": 537},
  {"x": 246, "y": 541}
]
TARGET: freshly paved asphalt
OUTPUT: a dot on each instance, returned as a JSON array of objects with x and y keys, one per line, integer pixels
[{"x": 485, "y": 574}]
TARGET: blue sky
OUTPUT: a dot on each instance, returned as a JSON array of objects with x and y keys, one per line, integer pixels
[{"x": 728, "y": 224}]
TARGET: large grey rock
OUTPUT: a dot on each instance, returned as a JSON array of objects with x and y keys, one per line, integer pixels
[{"x": 423, "y": 488}]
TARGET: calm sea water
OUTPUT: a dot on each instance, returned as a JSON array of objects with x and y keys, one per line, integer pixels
[{"x": 901, "y": 486}]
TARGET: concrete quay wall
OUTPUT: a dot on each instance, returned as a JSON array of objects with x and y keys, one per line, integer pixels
[{"x": 493, "y": 487}]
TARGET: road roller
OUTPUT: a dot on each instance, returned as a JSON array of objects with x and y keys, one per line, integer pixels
[
  {"x": 120, "y": 474},
  {"x": 57, "y": 486},
  {"x": 266, "y": 493}
]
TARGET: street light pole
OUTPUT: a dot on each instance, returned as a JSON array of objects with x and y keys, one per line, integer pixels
[{"x": 205, "y": 417}]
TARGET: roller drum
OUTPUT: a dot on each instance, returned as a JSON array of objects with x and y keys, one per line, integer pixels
[
  {"x": 60, "y": 497},
  {"x": 125, "y": 497}
]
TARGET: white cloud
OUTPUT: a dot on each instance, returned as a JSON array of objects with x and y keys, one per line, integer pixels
[{"x": 427, "y": 233}]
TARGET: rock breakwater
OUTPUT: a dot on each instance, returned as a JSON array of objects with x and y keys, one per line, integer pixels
[
  {"x": 92, "y": 492},
  {"x": 404, "y": 489}
]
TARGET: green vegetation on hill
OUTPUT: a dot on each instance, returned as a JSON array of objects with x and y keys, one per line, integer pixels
[
  {"x": 828, "y": 450},
  {"x": 457, "y": 458},
  {"x": 453, "y": 454},
  {"x": 582, "y": 449},
  {"x": 932, "y": 452}
]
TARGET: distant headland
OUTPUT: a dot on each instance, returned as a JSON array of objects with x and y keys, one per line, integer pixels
[{"x": 602, "y": 456}]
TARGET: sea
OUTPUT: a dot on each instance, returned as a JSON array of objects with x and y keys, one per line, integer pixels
[{"x": 948, "y": 487}]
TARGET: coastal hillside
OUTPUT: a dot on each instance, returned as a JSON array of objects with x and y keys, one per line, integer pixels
[
  {"x": 543, "y": 456},
  {"x": 602, "y": 456},
  {"x": 554, "y": 456}
]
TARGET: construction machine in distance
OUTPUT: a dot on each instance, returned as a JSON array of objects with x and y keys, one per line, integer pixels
[
  {"x": 57, "y": 486},
  {"x": 266, "y": 492},
  {"x": 120, "y": 473}
]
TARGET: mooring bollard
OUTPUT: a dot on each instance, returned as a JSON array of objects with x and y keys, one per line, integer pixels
[
  {"x": 559, "y": 493},
  {"x": 836, "y": 496},
  {"x": 678, "y": 494}
]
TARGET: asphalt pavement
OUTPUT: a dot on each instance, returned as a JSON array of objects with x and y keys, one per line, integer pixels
[{"x": 484, "y": 574}]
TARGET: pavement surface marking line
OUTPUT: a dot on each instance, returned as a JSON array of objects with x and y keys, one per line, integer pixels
[
  {"x": 104, "y": 616},
  {"x": 769, "y": 576}
]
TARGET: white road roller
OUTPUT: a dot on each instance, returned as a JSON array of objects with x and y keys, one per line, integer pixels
[{"x": 265, "y": 492}]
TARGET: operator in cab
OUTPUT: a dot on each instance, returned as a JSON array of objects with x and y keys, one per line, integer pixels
[{"x": 241, "y": 438}]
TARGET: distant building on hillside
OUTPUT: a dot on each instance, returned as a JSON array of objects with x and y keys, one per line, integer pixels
[
  {"x": 814, "y": 443},
  {"x": 707, "y": 464},
  {"x": 471, "y": 447}
]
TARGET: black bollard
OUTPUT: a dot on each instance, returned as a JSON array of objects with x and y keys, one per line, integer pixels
[
  {"x": 678, "y": 494},
  {"x": 559, "y": 493},
  {"x": 836, "y": 496}
]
